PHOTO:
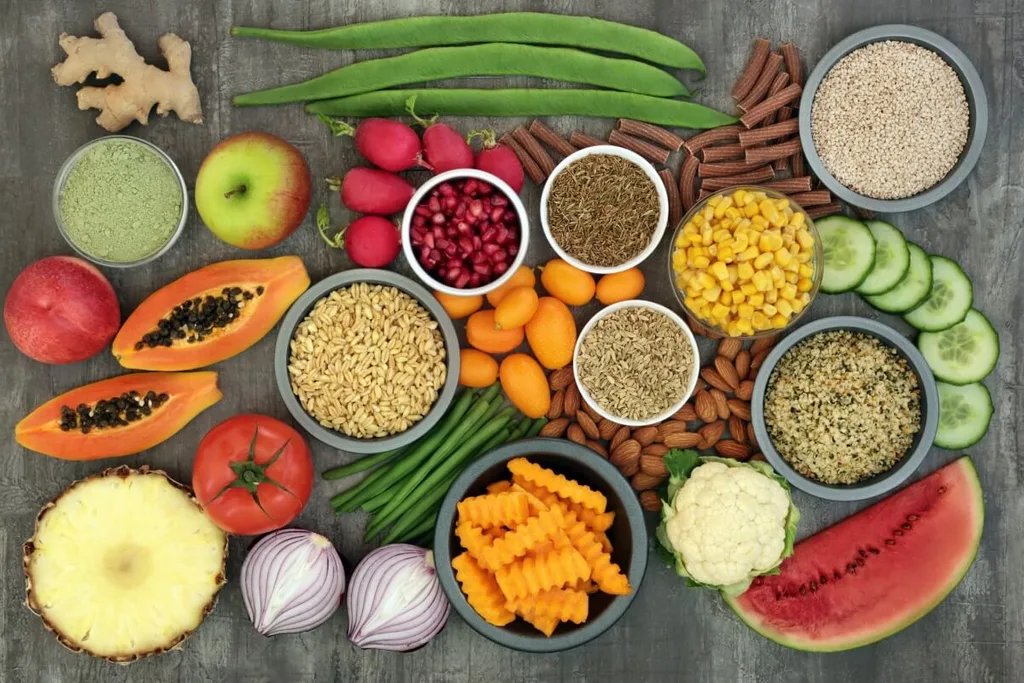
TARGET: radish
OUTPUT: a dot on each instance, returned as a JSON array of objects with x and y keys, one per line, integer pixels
[
  {"x": 443, "y": 147},
  {"x": 391, "y": 145},
  {"x": 369, "y": 190},
  {"x": 371, "y": 241},
  {"x": 498, "y": 159}
]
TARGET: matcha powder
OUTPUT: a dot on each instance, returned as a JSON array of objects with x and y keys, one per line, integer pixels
[{"x": 121, "y": 202}]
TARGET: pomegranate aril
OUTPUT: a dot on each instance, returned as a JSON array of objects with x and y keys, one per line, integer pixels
[
  {"x": 477, "y": 257},
  {"x": 434, "y": 204},
  {"x": 510, "y": 216},
  {"x": 466, "y": 245},
  {"x": 460, "y": 210},
  {"x": 452, "y": 275},
  {"x": 499, "y": 256},
  {"x": 470, "y": 187},
  {"x": 498, "y": 200},
  {"x": 490, "y": 234},
  {"x": 418, "y": 221},
  {"x": 476, "y": 207},
  {"x": 512, "y": 249},
  {"x": 466, "y": 279},
  {"x": 496, "y": 214},
  {"x": 439, "y": 232},
  {"x": 502, "y": 235},
  {"x": 450, "y": 203},
  {"x": 445, "y": 189},
  {"x": 483, "y": 268},
  {"x": 484, "y": 188},
  {"x": 423, "y": 210},
  {"x": 438, "y": 218},
  {"x": 500, "y": 268},
  {"x": 477, "y": 242},
  {"x": 470, "y": 218},
  {"x": 441, "y": 243},
  {"x": 463, "y": 227},
  {"x": 475, "y": 280},
  {"x": 428, "y": 240},
  {"x": 450, "y": 249},
  {"x": 490, "y": 247}
]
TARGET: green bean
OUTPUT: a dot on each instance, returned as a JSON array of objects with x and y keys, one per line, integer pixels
[
  {"x": 535, "y": 428},
  {"x": 526, "y": 102},
  {"x": 410, "y": 520},
  {"x": 494, "y": 59},
  {"x": 534, "y": 28},
  {"x": 519, "y": 430},
  {"x": 361, "y": 465},
  {"x": 477, "y": 437},
  {"x": 422, "y": 534}
]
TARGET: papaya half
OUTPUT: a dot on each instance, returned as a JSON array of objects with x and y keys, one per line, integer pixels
[
  {"x": 210, "y": 314},
  {"x": 117, "y": 416}
]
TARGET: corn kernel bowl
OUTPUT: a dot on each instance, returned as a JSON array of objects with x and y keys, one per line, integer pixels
[{"x": 745, "y": 262}]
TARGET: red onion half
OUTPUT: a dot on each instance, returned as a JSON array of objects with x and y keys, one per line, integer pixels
[
  {"x": 292, "y": 581},
  {"x": 395, "y": 601}
]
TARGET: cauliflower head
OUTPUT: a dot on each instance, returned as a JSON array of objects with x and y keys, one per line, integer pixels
[{"x": 726, "y": 521}]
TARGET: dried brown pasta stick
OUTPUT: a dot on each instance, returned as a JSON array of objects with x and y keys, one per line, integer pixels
[
  {"x": 658, "y": 155},
  {"x": 799, "y": 164},
  {"x": 791, "y": 58},
  {"x": 763, "y": 84},
  {"x": 581, "y": 140},
  {"x": 791, "y": 185},
  {"x": 551, "y": 138},
  {"x": 772, "y": 104},
  {"x": 757, "y": 136},
  {"x": 755, "y": 156},
  {"x": 675, "y": 204},
  {"x": 752, "y": 177},
  {"x": 780, "y": 82},
  {"x": 721, "y": 153},
  {"x": 812, "y": 198},
  {"x": 703, "y": 195},
  {"x": 534, "y": 149},
  {"x": 785, "y": 114},
  {"x": 687, "y": 180},
  {"x": 712, "y": 136},
  {"x": 649, "y": 131},
  {"x": 816, "y": 212},
  {"x": 724, "y": 168},
  {"x": 529, "y": 165},
  {"x": 755, "y": 65}
]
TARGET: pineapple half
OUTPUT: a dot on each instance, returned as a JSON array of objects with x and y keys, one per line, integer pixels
[{"x": 124, "y": 564}]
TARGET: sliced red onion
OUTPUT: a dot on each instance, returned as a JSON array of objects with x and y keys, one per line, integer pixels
[
  {"x": 292, "y": 581},
  {"x": 395, "y": 601}
]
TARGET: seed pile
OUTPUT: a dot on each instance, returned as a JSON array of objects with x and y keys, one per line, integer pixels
[
  {"x": 368, "y": 361},
  {"x": 117, "y": 411},
  {"x": 636, "y": 363},
  {"x": 195, "y": 319},
  {"x": 603, "y": 210},
  {"x": 841, "y": 407},
  {"x": 890, "y": 120}
]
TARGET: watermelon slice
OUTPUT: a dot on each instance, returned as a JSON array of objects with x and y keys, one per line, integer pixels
[{"x": 874, "y": 573}]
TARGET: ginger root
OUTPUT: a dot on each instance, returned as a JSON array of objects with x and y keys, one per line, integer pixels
[{"x": 143, "y": 85}]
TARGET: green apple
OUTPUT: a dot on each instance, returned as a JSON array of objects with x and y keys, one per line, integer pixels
[{"x": 253, "y": 190}]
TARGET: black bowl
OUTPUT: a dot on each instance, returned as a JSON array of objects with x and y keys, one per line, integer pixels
[{"x": 628, "y": 536}]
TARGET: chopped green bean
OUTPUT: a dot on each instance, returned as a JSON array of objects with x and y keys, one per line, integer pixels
[
  {"x": 361, "y": 465},
  {"x": 423, "y": 509},
  {"x": 535, "y": 428}
]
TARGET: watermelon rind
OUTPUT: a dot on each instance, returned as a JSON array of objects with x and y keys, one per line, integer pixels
[{"x": 970, "y": 474}]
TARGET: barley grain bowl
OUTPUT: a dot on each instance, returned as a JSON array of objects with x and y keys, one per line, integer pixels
[{"x": 367, "y": 361}]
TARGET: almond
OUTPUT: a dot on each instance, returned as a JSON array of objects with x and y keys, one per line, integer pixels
[
  {"x": 745, "y": 390},
  {"x": 740, "y": 408},
  {"x": 699, "y": 385},
  {"x": 757, "y": 456},
  {"x": 618, "y": 437},
  {"x": 597, "y": 448},
  {"x": 626, "y": 456},
  {"x": 645, "y": 435},
  {"x": 704, "y": 405},
  {"x": 560, "y": 378},
  {"x": 557, "y": 403},
  {"x": 712, "y": 377},
  {"x": 729, "y": 347},
  {"x": 763, "y": 344},
  {"x": 589, "y": 410},
  {"x": 751, "y": 436},
  {"x": 555, "y": 428},
  {"x": 587, "y": 424},
  {"x": 657, "y": 449},
  {"x": 576, "y": 435},
  {"x": 607, "y": 428},
  {"x": 738, "y": 429},
  {"x": 728, "y": 448},
  {"x": 654, "y": 465},
  {"x": 728, "y": 372},
  {"x": 572, "y": 400},
  {"x": 642, "y": 481},
  {"x": 742, "y": 363},
  {"x": 710, "y": 434},
  {"x": 686, "y": 413},
  {"x": 650, "y": 501},
  {"x": 752, "y": 375},
  {"x": 670, "y": 427},
  {"x": 681, "y": 440},
  {"x": 757, "y": 360},
  {"x": 721, "y": 404}
]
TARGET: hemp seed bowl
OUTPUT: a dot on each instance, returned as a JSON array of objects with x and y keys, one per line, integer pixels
[
  {"x": 367, "y": 361},
  {"x": 636, "y": 363},
  {"x": 120, "y": 201},
  {"x": 845, "y": 408}
]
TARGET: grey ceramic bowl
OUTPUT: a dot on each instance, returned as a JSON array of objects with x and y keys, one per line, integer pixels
[
  {"x": 974, "y": 89},
  {"x": 880, "y": 483},
  {"x": 628, "y": 536},
  {"x": 298, "y": 312}
]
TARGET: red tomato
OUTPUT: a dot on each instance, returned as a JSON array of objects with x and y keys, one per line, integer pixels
[{"x": 252, "y": 474}]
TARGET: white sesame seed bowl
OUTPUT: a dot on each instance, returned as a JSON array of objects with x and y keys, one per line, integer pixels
[
  {"x": 917, "y": 179},
  {"x": 686, "y": 385},
  {"x": 919, "y": 444}
]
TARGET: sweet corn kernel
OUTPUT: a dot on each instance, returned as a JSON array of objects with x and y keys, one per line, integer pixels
[
  {"x": 692, "y": 303},
  {"x": 797, "y": 305},
  {"x": 769, "y": 309},
  {"x": 805, "y": 270},
  {"x": 744, "y": 326},
  {"x": 745, "y": 271},
  {"x": 694, "y": 238},
  {"x": 760, "y": 222},
  {"x": 784, "y": 307},
  {"x": 720, "y": 311},
  {"x": 699, "y": 220},
  {"x": 706, "y": 236},
  {"x": 715, "y": 201},
  {"x": 726, "y": 285},
  {"x": 740, "y": 242},
  {"x": 720, "y": 271},
  {"x": 804, "y": 285},
  {"x": 733, "y": 213},
  {"x": 771, "y": 296},
  {"x": 791, "y": 276},
  {"x": 733, "y": 274},
  {"x": 701, "y": 261},
  {"x": 739, "y": 196},
  {"x": 720, "y": 236},
  {"x": 725, "y": 253},
  {"x": 777, "y": 275},
  {"x": 726, "y": 296},
  {"x": 733, "y": 329},
  {"x": 804, "y": 238},
  {"x": 748, "y": 288},
  {"x": 779, "y": 321},
  {"x": 759, "y": 320},
  {"x": 783, "y": 257},
  {"x": 750, "y": 209},
  {"x": 745, "y": 311},
  {"x": 761, "y": 281},
  {"x": 788, "y": 291},
  {"x": 748, "y": 254},
  {"x": 804, "y": 256},
  {"x": 711, "y": 294},
  {"x": 756, "y": 300},
  {"x": 738, "y": 297}
]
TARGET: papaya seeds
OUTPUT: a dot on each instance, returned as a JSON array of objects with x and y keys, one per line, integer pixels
[
  {"x": 112, "y": 412},
  {"x": 194, "y": 319}
]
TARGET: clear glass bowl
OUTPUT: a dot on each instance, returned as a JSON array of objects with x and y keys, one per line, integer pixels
[{"x": 707, "y": 329}]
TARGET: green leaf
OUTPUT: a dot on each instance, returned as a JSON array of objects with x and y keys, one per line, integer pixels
[
  {"x": 323, "y": 224},
  {"x": 680, "y": 464},
  {"x": 337, "y": 126}
]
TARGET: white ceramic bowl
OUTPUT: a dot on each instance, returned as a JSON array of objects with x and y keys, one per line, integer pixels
[
  {"x": 659, "y": 187},
  {"x": 458, "y": 174},
  {"x": 691, "y": 383}
]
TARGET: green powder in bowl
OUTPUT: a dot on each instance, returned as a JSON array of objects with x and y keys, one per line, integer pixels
[{"x": 120, "y": 201}]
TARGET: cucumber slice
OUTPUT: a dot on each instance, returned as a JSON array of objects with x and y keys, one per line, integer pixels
[
  {"x": 948, "y": 300},
  {"x": 892, "y": 259},
  {"x": 912, "y": 289},
  {"x": 849, "y": 253},
  {"x": 964, "y": 353},
  {"x": 964, "y": 415}
]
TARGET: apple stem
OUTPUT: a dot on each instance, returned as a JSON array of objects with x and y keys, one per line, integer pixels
[{"x": 238, "y": 190}]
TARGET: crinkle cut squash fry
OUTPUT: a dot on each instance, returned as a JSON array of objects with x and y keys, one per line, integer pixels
[
  {"x": 605, "y": 573},
  {"x": 558, "y": 484},
  {"x": 531, "y": 575},
  {"x": 495, "y": 509},
  {"x": 526, "y": 537},
  {"x": 570, "y": 510},
  {"x": 562, "y": 604},
  {"x": 481, "y": 591}
]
